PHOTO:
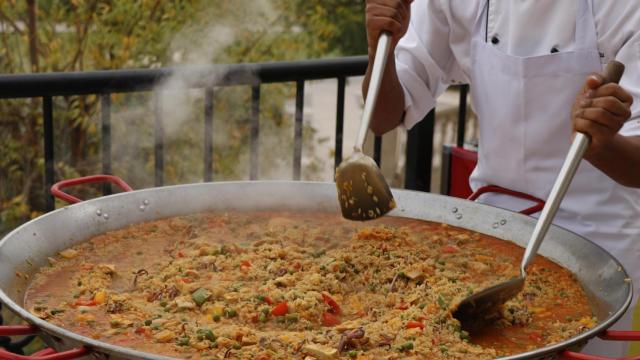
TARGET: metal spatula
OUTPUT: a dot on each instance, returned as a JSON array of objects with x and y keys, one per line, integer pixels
[
  {"x": 474, "y": 308},
  {"x": 363, "y": 192}
]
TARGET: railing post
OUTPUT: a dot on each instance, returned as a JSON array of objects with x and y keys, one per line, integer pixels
[
  {"x": 419, "y": 154},
  {"x": 297, "y": 132},
  {"x": 377, "y": 149},
  {"x": 337, "y": 157},
  {"x": 49, "y": 175},
  {"x": 462, "y": 114},
  {"x": 208, "y": 135},
  {"x": 105, "y": 119},
  {"x": 158, "y": 139},
  {"x": 255, "y": 131}
]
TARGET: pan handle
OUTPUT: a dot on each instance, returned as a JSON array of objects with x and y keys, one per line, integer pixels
[
  {"x": 15, "y": 330},
  {"x": 614, "y": 335},
  {"x": 46, "y": 354},
  {"x": 620, "y": 335},
  {"x": 497, "y": 189},
  {"x": 57, "y": 192}
]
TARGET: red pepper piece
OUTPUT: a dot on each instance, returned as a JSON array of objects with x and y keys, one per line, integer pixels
[
  {"x": 335, "y": 308},
  {"x": 449, "y": 249},
  {"x": 415, "y": 324},
  {"x": 328, "y": 319},
  {"x": 281, "y": 309},
  {"x": 81, "y": 302},
  {"x": 268, "y": 300},
  {"x": 536, "y": 337},
  {"x": 245, "y": 263}
]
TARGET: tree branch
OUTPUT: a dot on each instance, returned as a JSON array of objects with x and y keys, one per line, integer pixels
[
  {"x": 83, "y": 35},
  {"x": 33, "y": 35},
  {"x": 6, "y": 18}
]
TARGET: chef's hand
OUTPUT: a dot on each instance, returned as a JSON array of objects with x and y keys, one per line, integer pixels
[
  {"x": 600, "y": 111},
  {"x": 386, "y": 15}
]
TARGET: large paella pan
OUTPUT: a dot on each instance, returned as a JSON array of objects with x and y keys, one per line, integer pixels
[{"x": 27, "y": 249}]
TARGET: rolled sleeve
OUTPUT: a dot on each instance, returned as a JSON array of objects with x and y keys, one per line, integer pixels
[
  {"x": 418, "y": 98},
  {"x": 629, "y": 54},
  {"x": 425, "y": 62}
]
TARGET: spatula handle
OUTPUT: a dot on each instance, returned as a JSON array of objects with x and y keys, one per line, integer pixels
[
  {"x": 612, "y": 74},
  {"x": 379, "y": 63}
]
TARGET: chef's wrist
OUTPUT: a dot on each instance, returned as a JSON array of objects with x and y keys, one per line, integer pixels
[{"x": 604, "y": 150}]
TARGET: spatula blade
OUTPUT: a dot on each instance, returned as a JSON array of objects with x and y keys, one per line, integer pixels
[
  {"x": 363, "y": 192},
  {"x": 485, "y": 303}
]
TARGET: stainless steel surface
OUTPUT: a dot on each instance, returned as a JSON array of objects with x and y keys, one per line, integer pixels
[
  {"x": 601, "y": 275},
  {"x": 560, "y": 186},
  {"x": 362, "y": 190},
  {"x": 379, "y": 62}
]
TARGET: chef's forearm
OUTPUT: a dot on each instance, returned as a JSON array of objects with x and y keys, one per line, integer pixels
[
  {"x": 620, "y": 160},
  {"x": 389, "y": 109}
]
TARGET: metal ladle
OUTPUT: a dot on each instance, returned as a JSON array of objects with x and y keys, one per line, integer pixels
[
  {"x": 363, "y": 192},
  {"x": 475, "y": 308}
]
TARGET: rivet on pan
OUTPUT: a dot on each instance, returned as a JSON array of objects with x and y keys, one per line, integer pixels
[
  {"x": 495, "y": 225},
  {"x": 106, "y": 216},
  {"x": 458, "y": 216},
  {"x": 454, "y": 210},
  {"x": 503, "y": 222},
  {"x": 99, "y": 212},
  {"x": 142, "y": 207},
  {"x": 145, "y": 201}
]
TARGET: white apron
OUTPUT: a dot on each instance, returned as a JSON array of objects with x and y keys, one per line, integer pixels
[{"x": 524, "y": 106}]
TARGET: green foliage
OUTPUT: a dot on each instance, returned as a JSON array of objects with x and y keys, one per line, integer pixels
[
  {"x": 82, "y": 35},
  {"x": 333, "y": 27}
]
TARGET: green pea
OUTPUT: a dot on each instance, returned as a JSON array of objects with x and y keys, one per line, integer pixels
[
  {"x": 205, "y": 334},
  {"x": 183, "y": 341},
  {"x": 200, "y": 296}
]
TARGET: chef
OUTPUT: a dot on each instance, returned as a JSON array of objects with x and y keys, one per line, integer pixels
[{"x": 533, "y": 68}]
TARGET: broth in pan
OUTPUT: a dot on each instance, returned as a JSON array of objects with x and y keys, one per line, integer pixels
[{"x": 282, "y": 285}]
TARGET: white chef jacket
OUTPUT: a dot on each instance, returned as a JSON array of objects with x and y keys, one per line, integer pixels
[{"x": 435, "y": 52}]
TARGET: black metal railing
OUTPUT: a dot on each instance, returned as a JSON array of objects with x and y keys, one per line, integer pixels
[{"x": 208, "y": 78}]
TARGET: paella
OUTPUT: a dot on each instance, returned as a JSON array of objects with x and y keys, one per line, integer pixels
[{"x": 282, "y": 285}]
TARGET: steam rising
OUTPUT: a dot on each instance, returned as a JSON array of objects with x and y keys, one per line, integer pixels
[{"x": 182, "y": 109}]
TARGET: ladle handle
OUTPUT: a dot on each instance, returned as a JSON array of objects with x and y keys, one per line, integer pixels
[
  {"x": 379, "y": 63},
  {"x": 612, "y": 74}
]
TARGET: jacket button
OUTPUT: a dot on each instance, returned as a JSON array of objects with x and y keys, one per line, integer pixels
[
  {"x": 495, "y": 40},
  {"x": 554, "y": 49}
]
